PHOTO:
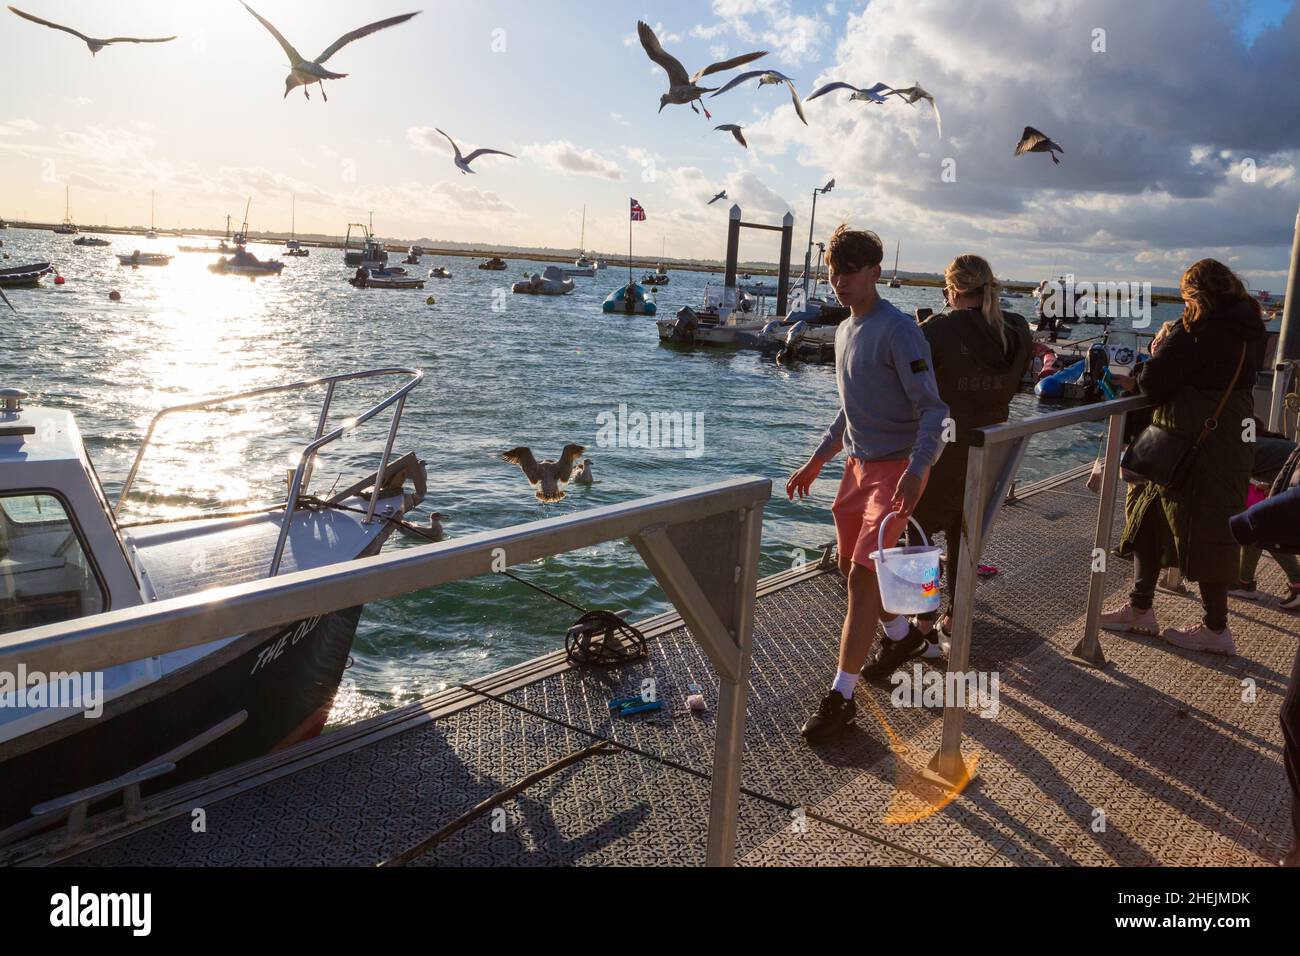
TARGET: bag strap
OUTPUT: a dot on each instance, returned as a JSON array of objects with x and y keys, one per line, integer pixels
[{"x": 1212, "y": 422}]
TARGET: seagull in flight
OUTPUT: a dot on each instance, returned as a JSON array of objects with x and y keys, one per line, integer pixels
[
  {"x": 734, "y": 130},
  {"x": 1032, "y": 141},
  {"x": 95, "y": 44},
  {"x": 765, "y": 78},
  {"x": 546, "y": 476},
  {"x": 462, "y": 162},
  {"x": 871, "y": 95},
  {"x": 913, "y": 93},
  {"x": 681, "y": 87},
  {"x": 304, "y": 72},
  {"x": 721, "y": 195}
]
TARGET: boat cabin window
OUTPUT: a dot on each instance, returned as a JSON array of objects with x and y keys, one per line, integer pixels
[{"x": 45, "y": 573}]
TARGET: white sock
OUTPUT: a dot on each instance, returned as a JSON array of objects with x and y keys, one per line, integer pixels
[
  {"x": 896, "y": 629},
  {"x": 844, "y": 683}
]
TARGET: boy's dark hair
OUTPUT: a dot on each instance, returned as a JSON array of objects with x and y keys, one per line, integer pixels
[{"x": 853, "y": 249}]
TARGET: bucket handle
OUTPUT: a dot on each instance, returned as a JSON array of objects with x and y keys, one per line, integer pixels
[{"x": 880, "y": 537}]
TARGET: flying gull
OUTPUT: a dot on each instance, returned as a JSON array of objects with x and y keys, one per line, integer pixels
[
  {"x": 766, "y": 77},
  {"x": 871, "y": 95},
  {"x": 734, "y": 130},
  {"x": 462, "y": 162},
  {"x": 546, "y": 476},
  {"x": 1032, "y": 141},
  {"x": 95, "y": 44},
  {"x": 303, "y": 72},
  {"x": 913, "y": 93},
  {"x": 721, "y": 195},
  {"x": 681, "y": 87}
]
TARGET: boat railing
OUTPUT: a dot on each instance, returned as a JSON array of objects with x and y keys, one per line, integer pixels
[
  {"x": 306, "y": 458},
  {"x": 996, "y": 453},
  {"x": 701, "y": 544}
]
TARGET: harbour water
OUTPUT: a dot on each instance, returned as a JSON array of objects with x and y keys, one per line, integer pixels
[{"x": 501, "y": 370}]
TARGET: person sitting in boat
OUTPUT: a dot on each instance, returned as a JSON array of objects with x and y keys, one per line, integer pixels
[{"x": 361, "y": 277}]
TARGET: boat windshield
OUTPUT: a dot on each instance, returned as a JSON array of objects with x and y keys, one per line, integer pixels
[{"x": 45, "y": 574}]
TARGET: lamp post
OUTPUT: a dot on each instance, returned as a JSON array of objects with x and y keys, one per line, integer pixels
[{"x": 807, "y": 259}]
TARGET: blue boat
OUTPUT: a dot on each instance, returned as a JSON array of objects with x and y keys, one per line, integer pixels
[{"x": 639, "y": 303}]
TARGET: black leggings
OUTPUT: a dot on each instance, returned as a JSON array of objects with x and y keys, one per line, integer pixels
[
  {"x": 952, "y": 542},
  {"x": 1146, "y": 572}
]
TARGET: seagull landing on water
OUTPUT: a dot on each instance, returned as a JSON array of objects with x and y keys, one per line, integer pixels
[
  {"x": 913, "y": 93},
  {"x": 303, "y": 72},
  {"x": 462, "y": 162},
  {"x": 734, "y": 130},
  {"x": 721, "y": 195},
  {"x": 681, "y": 87},
  {"x": 95, "y": 44},
  {"x": 1032, "y": 141},
  {"x": 765, "y": 78},
  {"x": 871, "y": 95},
  {"x": 546, "y": 476}
]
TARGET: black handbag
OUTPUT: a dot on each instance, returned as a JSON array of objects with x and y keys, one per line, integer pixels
[{"x": 1166, "y": 457}]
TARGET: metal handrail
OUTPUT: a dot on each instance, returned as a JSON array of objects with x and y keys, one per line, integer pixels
[{"x": 306, "y": 458}]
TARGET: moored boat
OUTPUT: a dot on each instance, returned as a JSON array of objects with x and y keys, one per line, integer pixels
[
  {"x": 90, "y": 241},
  {"x": 630, "y": 299},
  {"x": 495, "y": 264},
  {"x": 138, "y": 258},
  {"x": 24, "y": 277}
]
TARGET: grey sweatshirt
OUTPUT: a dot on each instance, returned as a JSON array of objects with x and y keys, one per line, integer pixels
[{"x": 889, "y": 402}]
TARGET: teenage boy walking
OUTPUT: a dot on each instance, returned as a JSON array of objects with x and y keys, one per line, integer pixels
[{"x": 890, "y": 424}]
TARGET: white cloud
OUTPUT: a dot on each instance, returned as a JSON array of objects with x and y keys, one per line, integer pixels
[
  {"x": 562, "y": 156},
  {"x": 18, "y": 127}
]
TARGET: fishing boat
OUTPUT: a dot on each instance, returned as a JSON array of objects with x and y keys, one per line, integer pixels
[
  {"x": 90, "y": 241},
  {"x": 384, "y": 279},
  {"x": 630, "y": 299},
  {"x": 894, "y": 283},
  {"x": 364, "y": 252},
  {"x": 495, "y": 264},
  {"x": 69, "y": 554},
  {"x": 138, "y": 258},
  {"x": 293, "y": 247},
  {"x": 67, "y": 228},
  {"x": 244, "y": 263},
  {"x": 24, "y": 277},
  {"x": 551, "y": 282}
]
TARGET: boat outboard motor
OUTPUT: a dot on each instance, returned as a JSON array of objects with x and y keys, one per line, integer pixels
[
  {"x": 793, "y": 338},
  {"x": 685, "y": 325},
  {"x": 629, "y": 299},
  {"x": 1095, "y": 370}
]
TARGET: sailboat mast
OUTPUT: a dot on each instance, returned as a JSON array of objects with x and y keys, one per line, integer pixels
[
  {"x": 293, "y": 218},
  {"x": 582, "y": 242},
  {"x": 897, "y": 245},
  {"x": 151, "y": 198}
]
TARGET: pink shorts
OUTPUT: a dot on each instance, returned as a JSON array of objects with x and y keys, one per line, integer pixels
[{"x": 862, "y": 504}]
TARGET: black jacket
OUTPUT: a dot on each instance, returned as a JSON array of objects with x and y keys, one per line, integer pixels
[{"x": 1207, "y": 356}]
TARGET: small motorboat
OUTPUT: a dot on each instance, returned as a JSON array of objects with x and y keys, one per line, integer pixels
[
  {"x": 551, "y": 282},
  {"x": 439, "y": 272},
  {"x": 384, "y": 279},
  {"x": 724, "y": 314},
  {"x": 244, "y": 263},
  {"x": 656, "y": 278},
  {"x": 90, "y": 241},
  {"x": 24, "y": 277},
  {"x": 576, "y": 270},
  {"x": 70, "y": 553},
  {"x": 630, "y": 299},
  {"x": 413, "y": 256},
  {"x": 138, "y": 258},
  {"x": 495, "y": 264},
  {"x": 293, "y": 248}
]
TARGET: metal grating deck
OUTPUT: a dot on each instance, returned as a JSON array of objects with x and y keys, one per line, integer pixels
[{"x": 1184, "y": 770}]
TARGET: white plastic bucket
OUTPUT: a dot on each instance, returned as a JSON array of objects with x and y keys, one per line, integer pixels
[{"x": 908, "y": 577}]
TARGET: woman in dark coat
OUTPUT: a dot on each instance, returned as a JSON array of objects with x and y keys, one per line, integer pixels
[
  {"x": 1220, "y": 337},
  {"x": 980, "y": 356}
]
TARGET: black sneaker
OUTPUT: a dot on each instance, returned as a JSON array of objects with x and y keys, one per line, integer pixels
[
  {"x": 834, "y": 713},
  {"x": 891, "y": 654}
]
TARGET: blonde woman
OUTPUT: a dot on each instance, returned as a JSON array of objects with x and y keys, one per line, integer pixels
[{"x": 980, "y": 356}]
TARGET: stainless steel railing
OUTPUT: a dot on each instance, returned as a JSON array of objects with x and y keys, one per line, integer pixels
[{"x": 306, "y": 459}]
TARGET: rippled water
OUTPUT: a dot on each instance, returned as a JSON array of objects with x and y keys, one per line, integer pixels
[{"x": 535, "y": 371}]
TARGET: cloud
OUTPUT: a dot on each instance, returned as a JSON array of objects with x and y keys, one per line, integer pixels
[
  {"x": 793, "y": 38},
  {"x": 18, "y": 127},
  {"x": 665, "y": 38},
  {"x": 562, "y": 156}
]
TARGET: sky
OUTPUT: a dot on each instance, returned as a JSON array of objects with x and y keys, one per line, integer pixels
[{"x": 1179, "y": 122}]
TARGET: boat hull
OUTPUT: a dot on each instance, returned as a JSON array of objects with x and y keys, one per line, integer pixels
[{"x": 284, "y": 677}]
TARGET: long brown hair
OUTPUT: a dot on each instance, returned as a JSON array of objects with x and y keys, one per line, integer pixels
[
  {"x": 1208, "y": 286},
  {"x": 971, "y": 273}
]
